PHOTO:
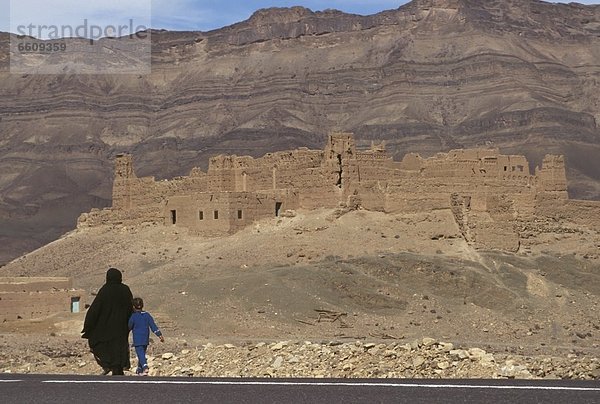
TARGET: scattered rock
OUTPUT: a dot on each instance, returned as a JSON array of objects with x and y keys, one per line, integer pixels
[
  {"x": 512, "y": 371},
  {"x": 428, "y": 341},
  {"x": 277, "y": 362},
  {"x": 278, "y": 346},
  {"x": 418, "y": 361},
  {"x": 459, "y": 353}
]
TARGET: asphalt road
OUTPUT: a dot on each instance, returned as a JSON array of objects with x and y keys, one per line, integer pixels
[{"x": 21, "y": 389}]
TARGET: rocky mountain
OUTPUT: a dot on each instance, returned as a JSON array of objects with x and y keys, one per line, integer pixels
[{"x": 521, "y": 75}]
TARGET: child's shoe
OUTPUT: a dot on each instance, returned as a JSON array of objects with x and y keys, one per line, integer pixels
[{"x": 146, "y": 372}]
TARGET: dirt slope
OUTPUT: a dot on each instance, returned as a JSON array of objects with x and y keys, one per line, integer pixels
[{"x": 383, "y": 276}]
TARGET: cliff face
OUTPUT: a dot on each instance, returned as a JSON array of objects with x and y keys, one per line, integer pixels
[{"x": 521, "y": 75}]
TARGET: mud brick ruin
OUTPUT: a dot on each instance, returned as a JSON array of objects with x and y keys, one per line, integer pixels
[
  {"x": 27, "y": 298},
  {"x": 491, "y": 196}
]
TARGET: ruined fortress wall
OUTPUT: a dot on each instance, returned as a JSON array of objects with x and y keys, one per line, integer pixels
[
  {"x": 28, "y": 305},
  {"x": 458, "y": 163},
  {"x": 583, "y": 213},
  {"x": 482, "y": 193},
  {"x": 417, "y": 184},
  {"x": 293, "y": 171},
  {"x": 311, "y": 172},
  {"x": 134, "y": 193},
  {"x": 97, "y": 217},
  {"x": 513, "y": 165},
  {"x": 131, "y": 192},
  {"x": 147, "y": 192},
  {"x": 320, "y": 195},
  {"x": 402, "y": 202},
  {"x": 477, "y": 201},
  {"x": 445, "y": 169},
  {"x": 524, "y": 204},
  {"x": 112, "y": 217},
  {"x": 369, "y": 176},
  {"x": 124, "y": 190},
  {"x": 301, "y": 170},
  {"x": 273, "y": 171},
  {"x": 500, "y": 207},
  {"x": 206, "y": 212},
  {"x": 220, "y": 213},
  {"x": 300, "y": 177},
  {"x": 487, "y": 192},
  {"x": 368, "y": 168},
  {"x": 410, "y": 162},
  {"x": 464, "y": 179},
  {"x": 27, "y": 298},
  {"x": 498, "y": 202},
  {"x": 551, "y": 176},
  {"x": 138, "y": 200},
  {"x": 467, "y": 163},
  {"x": 220, "y": 180},
  {"x": 263, "y": 205},
  {"x": 369, "y": 196}
]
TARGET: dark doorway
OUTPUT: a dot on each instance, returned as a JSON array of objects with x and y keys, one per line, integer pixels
[
  {"x": 278, "y": 208},
  {"x": 173, "y": 217},
  {"x": 339, "y": 181}
]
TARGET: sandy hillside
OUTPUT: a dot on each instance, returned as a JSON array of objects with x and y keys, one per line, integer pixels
[{"x": 378, "y": 276}]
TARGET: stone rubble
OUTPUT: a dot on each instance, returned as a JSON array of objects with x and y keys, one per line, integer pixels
[{"x": 424, "y": 358}]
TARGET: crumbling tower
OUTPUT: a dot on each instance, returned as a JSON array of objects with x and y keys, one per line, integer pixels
[
  {"x": 552, "y": 177},
  {"x": 340, "y": 148},
  {"x": 122, "y": 184},
  {"x": 124, "y": 166}
]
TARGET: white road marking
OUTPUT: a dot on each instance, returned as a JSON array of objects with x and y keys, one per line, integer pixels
[
  {"x": 331, "y": 384},
  {"x": 9, "y": 381}
]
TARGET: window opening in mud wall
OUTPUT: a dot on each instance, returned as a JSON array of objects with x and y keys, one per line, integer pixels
[
  {"x": 216, "y": 214},
  {"x": 278, "y": 208},
  {"x": 75, "y": 304},
  {"x": 239, "y": 213},
  {"x": 200, "y": 215},
  {"x": 173, "y": 217}
]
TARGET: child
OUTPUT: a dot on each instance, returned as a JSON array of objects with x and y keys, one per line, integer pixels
[{"x": 139, "y": 323}]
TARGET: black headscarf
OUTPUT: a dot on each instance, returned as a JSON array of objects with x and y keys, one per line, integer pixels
[
  {"x": 107, "y": 317},
  {"x": 113, "y": 275}
]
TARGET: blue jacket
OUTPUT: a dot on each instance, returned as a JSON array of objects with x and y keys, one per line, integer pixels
[{"x": 140, "y": 323}]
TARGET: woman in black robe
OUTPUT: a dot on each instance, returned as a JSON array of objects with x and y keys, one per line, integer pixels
[{"x": 105, "y": 325}]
